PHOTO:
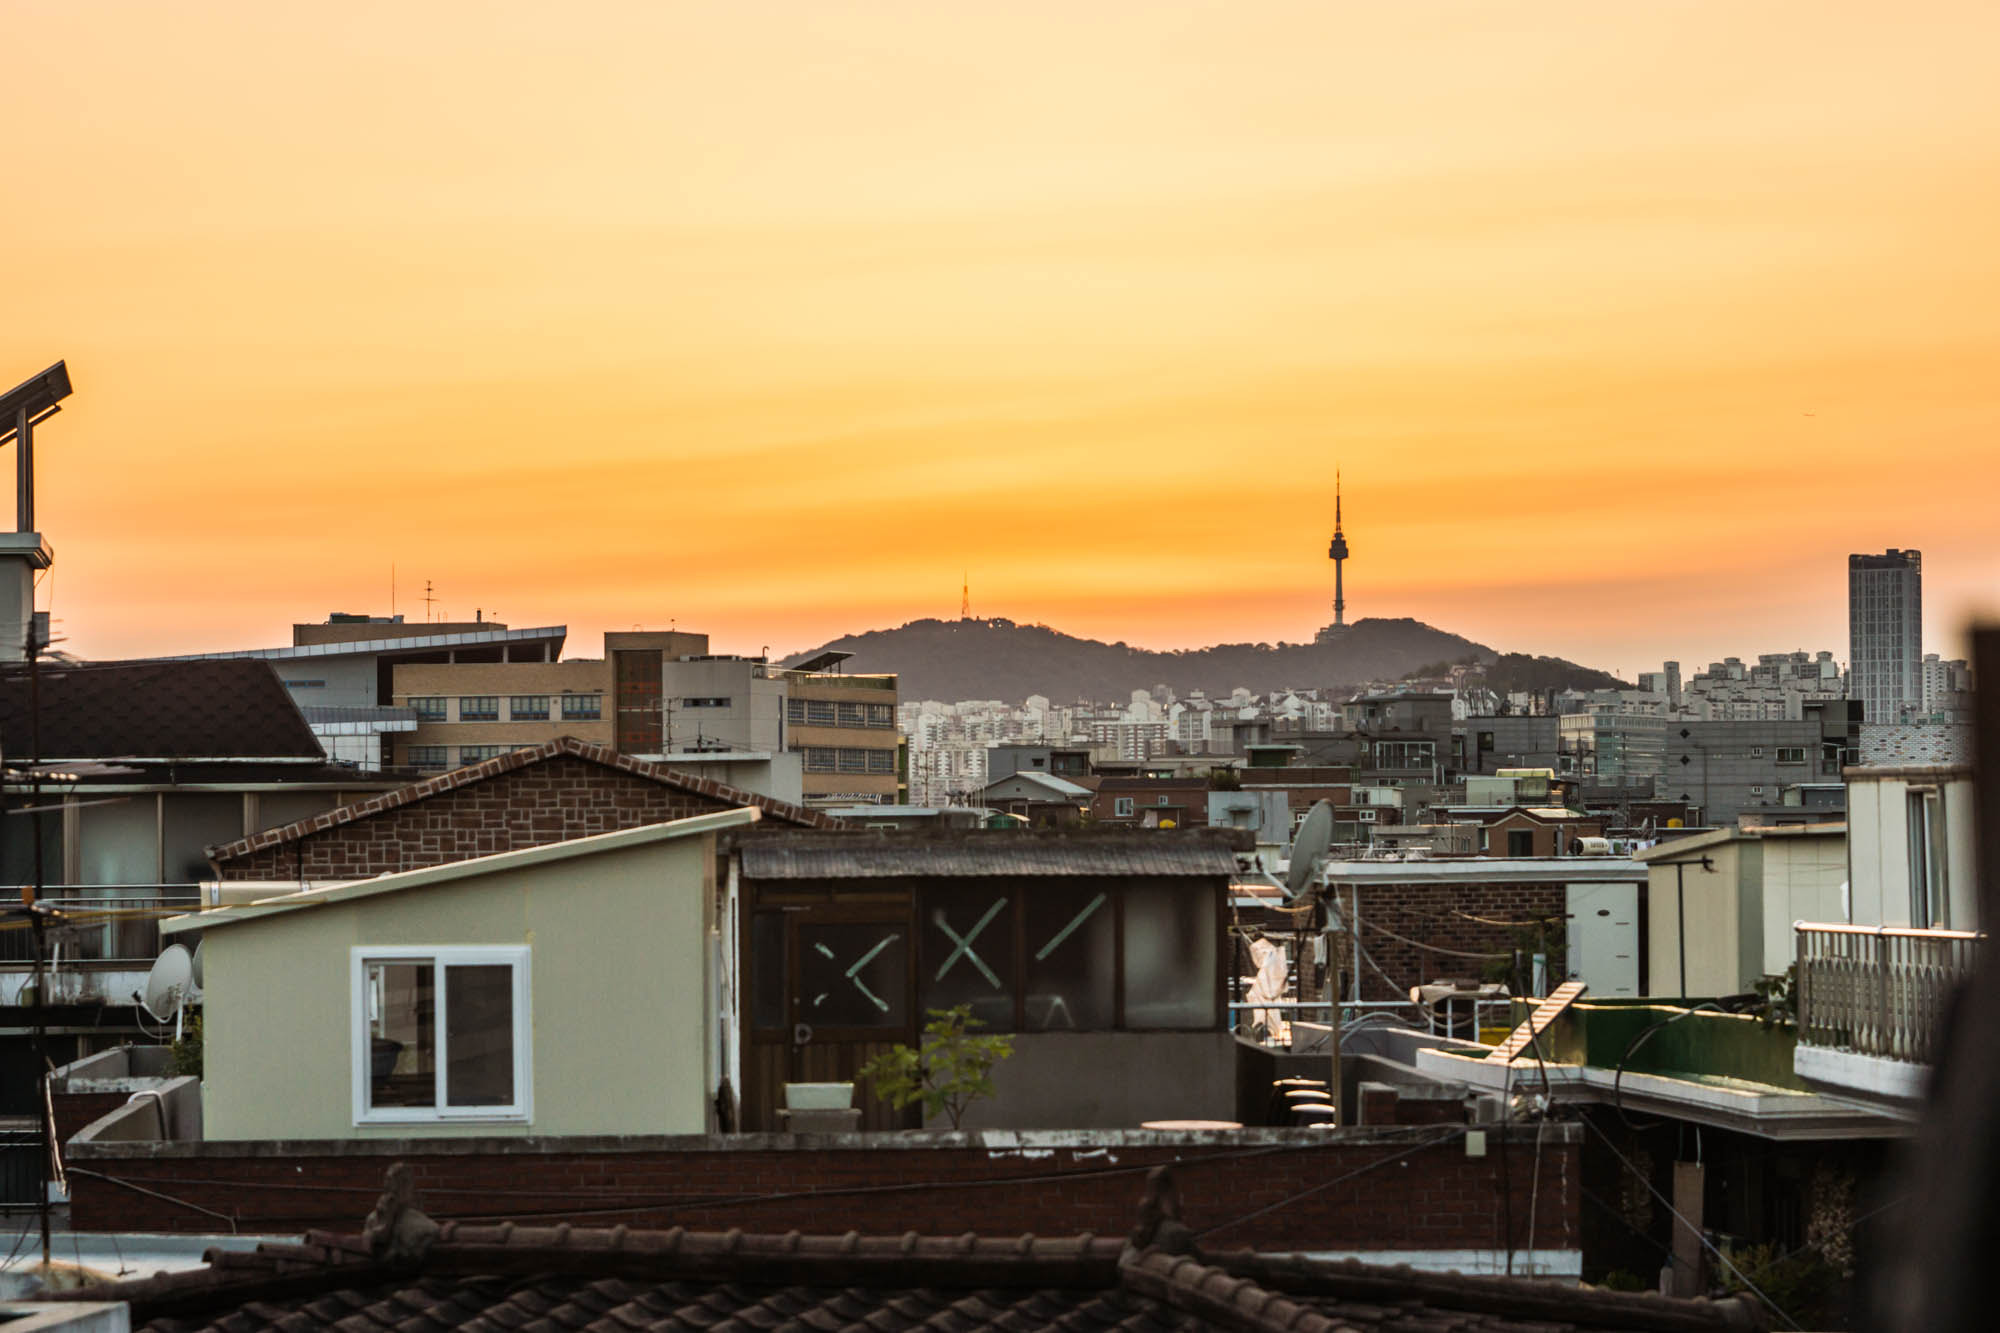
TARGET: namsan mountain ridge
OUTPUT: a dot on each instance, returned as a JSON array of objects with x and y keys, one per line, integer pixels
[{"x": 1000, "y": 659}]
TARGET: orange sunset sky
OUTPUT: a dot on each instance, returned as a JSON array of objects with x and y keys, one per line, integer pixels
[{"x": 1625, "y": 322}]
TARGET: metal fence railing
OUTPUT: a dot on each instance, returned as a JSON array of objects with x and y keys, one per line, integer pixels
[
  {"x": 99, "y": 923},
  {"x": 1879, "y": 990},
  {"x": 1305, "y": 1026}
]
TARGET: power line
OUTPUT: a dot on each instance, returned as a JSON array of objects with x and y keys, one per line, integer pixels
[{"x": 1693, "y": 1230}]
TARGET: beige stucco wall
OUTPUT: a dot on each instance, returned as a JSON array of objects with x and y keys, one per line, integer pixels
[
  {"x": 1879, "y": 849},
  {"x": 1802, "y": 878},
  {"x": 620, "y": 997},
  {"x": 1723, "y": 926}
]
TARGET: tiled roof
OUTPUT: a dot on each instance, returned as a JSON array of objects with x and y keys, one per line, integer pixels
[
  {"x": 783, "y": 811},
  {"x": 1058, "y": 786},
  {"x": 1117, "y": 783},
  {"x": 155, "y": 710},
  {"x": 1895, "y": 744},
  {"x": 565, "y": 1280},
  {"x": 1006, "y": 852}
]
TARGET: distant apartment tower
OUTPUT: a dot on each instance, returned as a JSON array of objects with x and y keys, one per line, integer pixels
[{"x": 1885, "y": 624}]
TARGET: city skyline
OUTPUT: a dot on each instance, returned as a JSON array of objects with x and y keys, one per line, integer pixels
[{"x": 1622, "y": 335}]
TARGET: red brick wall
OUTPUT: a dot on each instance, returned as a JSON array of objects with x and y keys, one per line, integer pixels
[
  {"x": 1384, "y": 1189},
  {"x": 74, "y": 1110},
  {"x": 1441, "y": 916},
  {"x": 560, "y": 798}
]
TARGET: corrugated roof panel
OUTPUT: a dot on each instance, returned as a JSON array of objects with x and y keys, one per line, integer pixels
[{"x": 853, "y": 857}]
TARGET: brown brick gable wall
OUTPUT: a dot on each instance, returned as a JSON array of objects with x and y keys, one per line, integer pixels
[{"x": 552, "y": 801}]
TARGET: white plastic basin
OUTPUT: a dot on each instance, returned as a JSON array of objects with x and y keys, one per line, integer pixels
[{"x": 818, "y": 1096}]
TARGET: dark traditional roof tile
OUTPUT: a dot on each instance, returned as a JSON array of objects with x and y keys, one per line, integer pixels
[
  {"x": 584, "y": 1280},
  {"x": 203, "y": 710}
]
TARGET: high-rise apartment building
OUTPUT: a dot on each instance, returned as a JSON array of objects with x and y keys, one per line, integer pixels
[{"x": 1885, "y": 631}]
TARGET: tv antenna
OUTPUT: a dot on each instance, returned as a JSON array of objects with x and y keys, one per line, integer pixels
[{"x": 428, "y": 601}]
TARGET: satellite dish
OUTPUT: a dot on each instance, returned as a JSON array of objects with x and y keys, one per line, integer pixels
[
  {"x": 195, "y": 966},
  {"x": 167, "y": 985},
  {"x": 1314, "y": 837}
]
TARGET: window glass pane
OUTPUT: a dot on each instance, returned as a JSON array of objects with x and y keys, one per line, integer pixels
[
  {"x": 17, "y": 848},
  {"x": 402, "y": 1036},
  {"x": 767, "y": 970},
  {"x": 853, "y": 974},
  {"x": 967, "y": 944},
  {"x": 1071, "y": 964},
  {"x": 194, "y": 822},
  {"x": 479, "y": 1035},
  {"x": 1170, "y": 948},
  {"x": 118, "y": 843}
]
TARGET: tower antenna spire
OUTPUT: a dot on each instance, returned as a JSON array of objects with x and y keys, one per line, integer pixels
[
  {"x": 965, "y": 598},
  {"x": 1337, "y": 552}
]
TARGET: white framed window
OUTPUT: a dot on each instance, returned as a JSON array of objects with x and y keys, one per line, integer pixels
[
  {"x": 441, "y": 1034},
  {"x": 1121, "y": 806},
  {"x": 1756, "y": 752}
]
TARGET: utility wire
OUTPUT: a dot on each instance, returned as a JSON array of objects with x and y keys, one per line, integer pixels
[
  {"x": 1693, "y": 1230},
  {"x": 1455, "y": 1132}
]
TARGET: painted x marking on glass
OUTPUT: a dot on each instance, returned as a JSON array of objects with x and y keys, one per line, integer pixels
[
  {"x": 964, "y": 942},
  {"x": 1067, "y": 930}
]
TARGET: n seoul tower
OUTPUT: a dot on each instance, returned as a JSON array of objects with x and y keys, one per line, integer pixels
[{"x": 1337, "y": 552}]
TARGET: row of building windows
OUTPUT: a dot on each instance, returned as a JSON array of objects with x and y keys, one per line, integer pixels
[
  {"x": 827, "y": 759},
  {"x": 520, "y": 707},
  {"x": 456, "y": 756},
  {"x": 828, "y": 713}
]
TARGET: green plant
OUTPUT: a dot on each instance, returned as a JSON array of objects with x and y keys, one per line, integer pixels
[
  {"x": 186, "y": 1056},
  {"x": 1777, "y": 999},
  {"x": 1801, "y": 1283},
  {"x": 947, "y": 1071}
]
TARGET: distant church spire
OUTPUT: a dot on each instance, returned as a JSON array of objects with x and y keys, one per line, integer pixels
[{"x": 1337, "y": 553}]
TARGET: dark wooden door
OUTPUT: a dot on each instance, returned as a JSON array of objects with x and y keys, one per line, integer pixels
[
  {"x": 832, "y": 987},
  {"x": 853, "y": 997}
]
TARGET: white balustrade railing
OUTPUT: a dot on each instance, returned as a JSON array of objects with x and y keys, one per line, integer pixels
[{"x": 1879, "y": 990}]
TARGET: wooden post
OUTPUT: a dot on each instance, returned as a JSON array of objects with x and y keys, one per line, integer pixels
[{"x": 1688, "y": 1182}]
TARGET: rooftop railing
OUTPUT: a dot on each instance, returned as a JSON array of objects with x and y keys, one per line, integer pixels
[{"x": 1879, "y": 990}]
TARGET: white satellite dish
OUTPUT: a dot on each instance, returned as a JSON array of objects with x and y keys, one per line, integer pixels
[
  {"x": 194, "y": 965},
  {"x": 1314, "y": 837},
  {"x": 168, "y": 984}
]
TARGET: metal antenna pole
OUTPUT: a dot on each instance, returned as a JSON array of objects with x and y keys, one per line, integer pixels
[{"x": 42, "y": 1103}]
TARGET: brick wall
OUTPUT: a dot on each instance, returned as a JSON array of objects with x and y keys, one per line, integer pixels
[
  {"x": 560, "y": 798},
  {"x": 1442, "y": 916},
  {"x": 1392, "y": 1188},
  {"x": 74, "y": 1110}
]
